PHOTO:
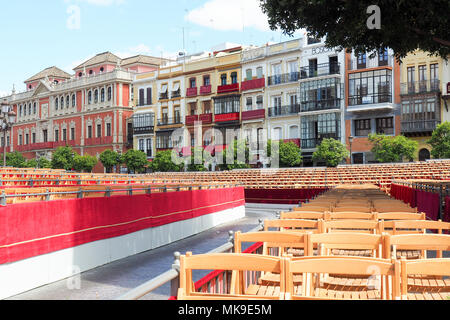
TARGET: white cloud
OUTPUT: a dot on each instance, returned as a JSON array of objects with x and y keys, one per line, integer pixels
[
  {"x": 133, "y": 51},
  {"x": 102, "y": 3},
  {"x": 230, "y": 15}
]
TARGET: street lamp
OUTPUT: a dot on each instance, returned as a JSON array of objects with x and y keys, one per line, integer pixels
[
  {"x": 350, "y": 141},
  {"x": 7, "y": 120}
]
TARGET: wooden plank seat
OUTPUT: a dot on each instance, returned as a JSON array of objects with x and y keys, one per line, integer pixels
[
  {"x": 242, "y": 285},
  {"x": 307, "y": 215},
  {"x": 295, "y": 225},
  {"x": 351, "y": 225},
  {"x": 414, "y": 287},
  {"x": 416, "y": 242},
  {"x": 380, "y": 278},
  {"x": 350, "y": 215}
]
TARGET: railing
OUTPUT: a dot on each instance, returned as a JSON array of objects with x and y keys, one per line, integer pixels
[
  {"x": 420, "y": 87},
  {"x": 323, "y": 69},
  {"x": 253, "y": 84},
  {"x": 228, "y": 88},
  {"x": 169, "y": 121},
  {"x": 284, "y": 110},
  {"x": 314, "y": 142},
  {"x": 223, "y": 117},
  {"x": 254, "y": 114},
  {"x": 419, "y": 126},
  {"x": 144, "y": 130},
  {"x": 172, "y": 275},
  {"x": 370, "y": 63},
  {"x": 163, "y": 96},
  {"x": 191, "y": 92},
  {"x": 320, "y": 105},
  {"x": 176, "y": 94},
  {"x": 369, "y": 99},
  {"x": 98, "y": 141},
  {"x": 283, "y": 78},
  {"x": 205, "y": 89},
  {"x": 206, "y": 118}
]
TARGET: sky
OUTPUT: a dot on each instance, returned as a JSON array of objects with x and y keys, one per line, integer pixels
[{"x": 64, "y": 33}]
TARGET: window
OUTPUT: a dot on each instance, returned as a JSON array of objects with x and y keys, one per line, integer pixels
[
  {"x": 64, "y": 137},
  {"x": 383, "y": 57},
  {"x": 277, "y": 134},
  {"x": 207, "y": 107},
  {"x": 67, "y": 102},
  {"x": 20, "y": 111},
  {"x": 72, "y": 134},
  {"x": 80, "y": 74},
  {"x": 370, "y": 87},
  {"x": 108, "y": 130},
  {"x": 62, "y": 103},
  {"x": 259, "y": 102},
  {"x": 149, "y": 147},
  {"x": 193, "y": 108},
  {"x": 33, "y": 137},
  {"x": 141, "y": 145},
  {"x": 89, "y": 132},
  {"x": 27, "y": 138},
  {"x": 109, "y": 93},
  {"x": 434, "y": 76},
  {"x": 89, "y": 97},
  {"x": 422, "y": 78},
  {"x": 259, "y": 72},
  {"x": 293, "y": 70},
  {"x": 149, "y": 96},
  {"x": 20, "y": 140},
  {"x": 312, "y": 40},
  {"x": 102, "y": 95},
  {"x": 248, "y": 74},
  {"x": 56, "y": 103},
  {"x": 227, "y": 105},
  {"x": 249, "y": 103},
  {"x": 96, "y": 96},
  {"x": 34, "y": 108},
  {"x": 293, "y": 132},
  {"x": 141, "y": 97},
  {"x": 223, "y": 79},
  {"x": 312, "y": 67},
  {"x": 29, "y": 109},
  {"x": 99, "y": 131},
  {"x": 207, "y": 81},
  {"x": 361, "y": 61},
  {"x": 74, "y": 102},
  {"x": 362, "y": 127},
  {"x": 385, "y": 125},
  {"x": 177, "y": 114},
  {"x": 45, "y": 135},
  {"x": 234, "y": 78},
  {"x": 56, "y": 135},
  {"x": 192, "y": 83}
]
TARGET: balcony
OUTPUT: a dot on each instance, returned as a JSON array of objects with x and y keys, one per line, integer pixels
[
  {"x": 253, "y": 84},
  {"x": 254, "y": 114},
  {"x": 163, "y": 96},
  {"x": 226, "y": 117},
  {"x": 205, "y": 90},
  {"x": 328, "y": 104},
  {"x": 203, "y": 118},
  {"x": 206, "y": 118},
  {"x": 191, "y": 92},
  {"x": 283, "y": 111},
  {"x": 315, "y": 142},
  {"x": 382, "y": 101},
  {"x": 228, "y": 88},
  {"x": 169, "y": 121},
  {"x": 98, "y": 141},
  {"x": 283, "y": 78},
  {"x": 190, "y": 120},
  {"x": 175, "y": 94},
  {"x": 420, "y": 87},
  {"x": 323, "y": 69},
  {"x": 354, "y": 64},
  {"x": 419, "y": 126},
  {"x": 144, "y": 130}
]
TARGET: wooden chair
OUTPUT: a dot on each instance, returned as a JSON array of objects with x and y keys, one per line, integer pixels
[
  {"x": 302, "y": 215},
  {"x": 349, "y": 244},
  {"x": 312, "y": 208},
  {"x": 350, "y": 215},
  {"x": 392, "y": 215},
  {"x": 405, "y": 245},
  {"x": 351, "y": 225},
  {"x": 297, "y": 225},
  {"x": 378, "y": 278},
  {"x": 364, "y": 209},
  {"x": 244, "y": 270},
  {"x": 424, "y": 279}
]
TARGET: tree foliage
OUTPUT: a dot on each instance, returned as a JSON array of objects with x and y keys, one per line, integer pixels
[
  {"x": 84, "y": 163},
  {"x": 163, "y": 162},
  {"x": 44, "y": 163},
  {"x": 393, "y": 149},
  {"x": 15, "y": 159},
  {"x": 405, "y": 25},
  {"x": 135, "y": 160},
  {"x": 110, "y": 158},
  {"x": 288, "y": 153},
  {"x": 440, "y": 141},
  {"x": 62, "y": 158},
  {"x": 240, "y": 158},
  {"x": 332, "y": 152},
  {"x": 196, "y": 160}
]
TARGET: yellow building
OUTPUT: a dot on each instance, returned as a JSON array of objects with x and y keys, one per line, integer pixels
[{"x": 422, "y": 105}]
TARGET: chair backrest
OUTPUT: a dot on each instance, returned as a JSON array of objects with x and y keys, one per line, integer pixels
[
  {"x": 310, "y": 208},
  {"x": 351, "y": 266},
  {"x": 351, "y": 225},
  {"x": 356, "y": 208},
  {"x": 419, "y": 226},
  {"x": 271, "y": 239},
  {"x": 298, "y": 225},
  {"x": 350, "y": 215},
  {"x": 426, "y": 267},
  {"x": 302, "y": 215},
  {"x": 392, "y": 215},
  {"x": 346, "y": 241},
  {"x": 422, "y": 242},
  {"x": 395, "y": 208},
  {"x": 238, "y": 264}
]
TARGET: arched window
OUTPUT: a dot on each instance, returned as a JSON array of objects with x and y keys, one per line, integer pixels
[
  {"x": 56, "y": 103},
  {"x": 91, "y": 72},
  {"x": 29, "y": 109},
  {"x": 102, "y": 95},
  {"x": 89, "y": 97},
  {"x": 293, "y": 132},
  {"x": 20, "y": 110},
  {"x": 102, "y": 69},
  {"x": 73, "y": 101},
  {"x": 62, "y": 103},
  {"x": 34, "y": 108},
  {"x": 277, "y": 134},
  {"x": 223, "y": 79},
  {"x": 109, "y": 93},
  {"x": 234, "y": 78},
  {"x": 96, "y": 96},
  {"x": 67, "y": 102},
  {"x": 80, "y": 74}
]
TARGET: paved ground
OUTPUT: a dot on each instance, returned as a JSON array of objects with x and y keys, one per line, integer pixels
[{"x": 113, "y": 280}]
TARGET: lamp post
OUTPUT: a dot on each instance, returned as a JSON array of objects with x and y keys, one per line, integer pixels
[
  {"x": 7, "y": 120},
  {"x": 350, "y": 141}
]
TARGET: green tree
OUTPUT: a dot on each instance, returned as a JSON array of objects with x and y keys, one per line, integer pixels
[
  {"x": 62, "y": 158},
  {"x": 288, "y": 153},
  {"x": 44, "y": 163},
  {"x": 239, "y": 147},
  {"x": 392, "y": 149},
  {"x": 84, "y": 163},
  {"x": 196, "y": 161},
  {"x": 405, "y": 25},
  {"x": 331, "y": 151},
  {"x": 135, "y": 161},
  {"x": 163, "y": 162},
  {"x": 110, "y": 158},
  {"x": 31, "y": 163},
  {"x": 440, "y": 141},
  {"x": 15, "y": 159}
]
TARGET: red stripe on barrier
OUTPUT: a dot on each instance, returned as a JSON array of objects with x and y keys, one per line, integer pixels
[{"x": 32, "y": 229}]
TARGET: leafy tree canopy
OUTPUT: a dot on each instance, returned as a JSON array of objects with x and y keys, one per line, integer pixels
[
  {"x": 240, "y": 156},
  {"x": 440, "y": 141},
  {"x": 163, "y": 162},
  {"x": 15, "y": 159},
  {"x": 110, "y": 158},
  {"x": 135, "y": 160},
  {"x": 62, "y": 158},
  {"x": 332, "y": 152},
  {"x": 84, "y": 163},
  {"x": 392, "y": 149},
  {"x": 404, "y": 25},
  {"x": 290, "y": 155}
]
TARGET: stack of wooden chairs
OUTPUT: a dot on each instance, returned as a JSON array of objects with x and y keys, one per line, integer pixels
[{"x": 351, "y": 243}]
